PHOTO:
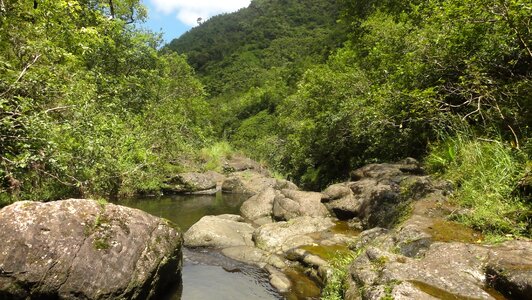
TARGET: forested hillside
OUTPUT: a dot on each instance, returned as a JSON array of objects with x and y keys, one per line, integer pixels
[
  {"x": 252, "y": 59},
  {"x": 315, "y": 89},
  {"x": 93, "y": 106},
  {"x": 88, "y": 107}
]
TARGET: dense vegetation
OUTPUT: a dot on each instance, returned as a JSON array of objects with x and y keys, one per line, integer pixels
[
  {"x": 88, "y": 107},
  {"x": 390, "y": 79}
]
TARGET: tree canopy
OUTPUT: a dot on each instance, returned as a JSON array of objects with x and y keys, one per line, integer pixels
[{"x": 88, "y": 104}]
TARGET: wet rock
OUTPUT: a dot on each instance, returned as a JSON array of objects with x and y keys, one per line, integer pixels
[
  {"x": 279, "y": 280},
  {"x": 260, "y": 205},
  {"x": 219, "y": 232},
  {"x": 80, "y": 249},
  {"x": 290, "y": 204},
  {"x": 194, "y": 183},
  {"x": 282, "y": 236},
  {"x": 306, "y": 258}
]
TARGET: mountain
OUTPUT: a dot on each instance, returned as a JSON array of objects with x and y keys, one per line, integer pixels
[{"x": 234, "y": 52}]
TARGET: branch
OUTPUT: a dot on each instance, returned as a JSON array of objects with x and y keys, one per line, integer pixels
[
  {"x": 35, "y": 58},
  {"x": 57, "y": 108}
]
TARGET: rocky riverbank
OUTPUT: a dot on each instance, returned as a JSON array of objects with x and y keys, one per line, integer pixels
[
  {"x": 392, "y": 217},
  {"x": 83, "y": 249}
]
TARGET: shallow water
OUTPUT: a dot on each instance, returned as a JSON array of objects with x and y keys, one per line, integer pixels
[{"x": 207, "y": 274}]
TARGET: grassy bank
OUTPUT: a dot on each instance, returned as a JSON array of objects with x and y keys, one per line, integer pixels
[{"x": 486, "y": 175}]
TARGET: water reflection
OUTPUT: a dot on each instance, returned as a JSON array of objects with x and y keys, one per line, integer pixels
[{"x": 185, "y": 210}]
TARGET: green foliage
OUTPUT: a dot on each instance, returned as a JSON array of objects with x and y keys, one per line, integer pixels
[
  {"x": 407, "y": 72},
  {"x": 213, "y": 156},
  {"x": 337, "y": 284},
  {"x": 89, "y": 106},
  {"x": 486, "y": 174}
]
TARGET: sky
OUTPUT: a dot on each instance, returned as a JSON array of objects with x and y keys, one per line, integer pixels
[{"x": 175, "y": 17}]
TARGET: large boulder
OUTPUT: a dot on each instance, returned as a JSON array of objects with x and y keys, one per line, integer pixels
[
  {"x": 282, "y": 236},
  {"x": 290, "y": 204},
  {"x": 251, "y": 182},
  {"x": 259, "y": 206},
  {"x": 219, "y": 232},
  {"x": 195, "y": 183},
  {"x": 380, "y": 194},
  {"x": 82, "y": 249},
  {"x": 446, "y": 269},
  {"x": 238, "y": 163}
]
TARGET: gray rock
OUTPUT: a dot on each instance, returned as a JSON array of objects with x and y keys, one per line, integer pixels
[
  {"x": 260, "y": 205},
  {"x": 411, "y": 241},
  {"x": 290, "y": 204},
  {"x": 219, "y": 232},
  {"x": 239, "y": 163},
  {"x": 454, "y": 268},
  {"x": 387, "y": 172},
  {"x": 279, "y": 280},
  {"x": 282, "y": 236},
  {"x": 194, "y": 183},
  {"x": 251, "y": 182},
  {"x": 510, "y": 269},
  {"x": 80, "y": 249},
  {"x": 337, "y": 191}
]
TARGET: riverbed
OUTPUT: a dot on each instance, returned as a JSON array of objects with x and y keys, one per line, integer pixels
[{"x": 207, "y": 274}]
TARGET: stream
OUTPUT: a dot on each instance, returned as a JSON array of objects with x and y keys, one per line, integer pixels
[{"x": 207, "y": 274}]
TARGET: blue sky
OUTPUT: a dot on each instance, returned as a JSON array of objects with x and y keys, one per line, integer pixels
[{"x": 175, "y": 17}]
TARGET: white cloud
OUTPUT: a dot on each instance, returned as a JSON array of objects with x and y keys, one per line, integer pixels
[{"x": 188, "y": 11}]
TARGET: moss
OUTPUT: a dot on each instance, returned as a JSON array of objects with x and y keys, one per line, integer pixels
[
  {"x": 101, "y": 243},
  {"x": 447, "y": 231},
  {"x": 327, "y": 252},
  {"x": 302, "y": 286},
  {"x": 388, "y": 290},
  {"x": 437, "y": 292}
]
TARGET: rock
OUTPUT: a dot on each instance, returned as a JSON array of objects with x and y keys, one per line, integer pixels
[
  {"x": 306, "y": 258},
  {"x": 279, "y": 280},
  {"x": 509, "y": 269},
  {"x": 80, "y": 249},
  {"x": 337, "y": 191},
  {"x": 251, "y": 182},
  {"x": 388, "y": 172},
  {"x": 290, "y": 204},
  {"x": 282, "y": 236},
  {"x": 411, "y": 241},
  {"x": 254, "y": 256},
  {"x": 194, "y": 183},
  {"x": 380, "y": 194},
  {"x": 260, "y": 205},
  {"x": 219, "y": 232},
  {"x": 454, "y": 268},
  {"x": 238, "y": 163}
]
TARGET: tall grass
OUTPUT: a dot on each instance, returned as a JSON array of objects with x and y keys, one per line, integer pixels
[
  {"x": 214, "y": 155},
  {"x": 485, "y": 174},
  {"x": 337, "y": 283}
]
